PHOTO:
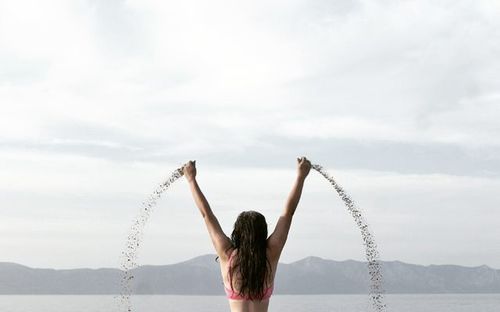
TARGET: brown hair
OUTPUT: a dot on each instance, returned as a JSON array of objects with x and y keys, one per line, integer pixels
[{"x": 249, "y": 238}]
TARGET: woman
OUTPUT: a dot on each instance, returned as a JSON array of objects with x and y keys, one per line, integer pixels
[{"x": 249, "y": 259}]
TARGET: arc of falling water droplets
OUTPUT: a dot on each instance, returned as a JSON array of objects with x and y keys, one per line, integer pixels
[
  {"x": 372, "y": 255},
  {"x": 129, "y": 255}
]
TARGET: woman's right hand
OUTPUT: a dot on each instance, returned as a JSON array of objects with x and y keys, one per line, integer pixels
[
  {"x": 189, "y": 170},
  {"x": 303, "y": 167}
]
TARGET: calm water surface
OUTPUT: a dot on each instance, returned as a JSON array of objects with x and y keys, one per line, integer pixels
[{"x": 279, "y": 303}]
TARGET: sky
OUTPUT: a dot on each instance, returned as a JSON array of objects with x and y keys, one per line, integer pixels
[{"x": 101, "y": 100}]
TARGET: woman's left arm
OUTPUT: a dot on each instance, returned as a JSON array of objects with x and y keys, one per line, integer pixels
[{"x": 221, "y": 242}]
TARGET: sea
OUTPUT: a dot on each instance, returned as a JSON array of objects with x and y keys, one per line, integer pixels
[{"x": 279, "y": 303}]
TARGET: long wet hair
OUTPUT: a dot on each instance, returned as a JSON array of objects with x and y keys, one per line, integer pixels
[{"x": 249, "y": 238}]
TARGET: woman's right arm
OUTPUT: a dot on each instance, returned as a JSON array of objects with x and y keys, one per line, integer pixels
[
  {"x": 277, "y": 240},
  {"x": 220, "y": 241}
]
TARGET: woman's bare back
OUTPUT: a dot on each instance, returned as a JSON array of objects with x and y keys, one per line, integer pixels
[{"x": 247, "y": 305}]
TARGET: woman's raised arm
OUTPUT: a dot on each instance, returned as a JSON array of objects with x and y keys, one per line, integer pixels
[
  {"x": 220, "y": 241},
  {"x": 277, "y": 240}
]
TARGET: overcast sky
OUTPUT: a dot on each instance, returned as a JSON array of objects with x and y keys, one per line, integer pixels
[{"x": 101, "y": 100}]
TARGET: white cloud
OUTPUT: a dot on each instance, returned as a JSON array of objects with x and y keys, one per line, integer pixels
[{"x": 99, "y": 98}]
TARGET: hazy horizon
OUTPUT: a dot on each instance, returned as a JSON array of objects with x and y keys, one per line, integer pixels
[
  {"x": 101, "y": 100},
  {"x": 280, "y": 262}
]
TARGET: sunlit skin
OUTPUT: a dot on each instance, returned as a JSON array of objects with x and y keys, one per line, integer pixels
[{"x": 275, "y": 242}]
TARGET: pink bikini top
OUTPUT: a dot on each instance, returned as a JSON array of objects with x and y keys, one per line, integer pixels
[{"x": 233, "y": 295}]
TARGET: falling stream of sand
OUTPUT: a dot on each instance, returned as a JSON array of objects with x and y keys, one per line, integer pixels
[
  {"x": 134, "y": 238},
  {"x": 371, "y": 252}
]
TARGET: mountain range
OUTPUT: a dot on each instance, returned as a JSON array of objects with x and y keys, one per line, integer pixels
[{"x": 201, "y": 276}]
